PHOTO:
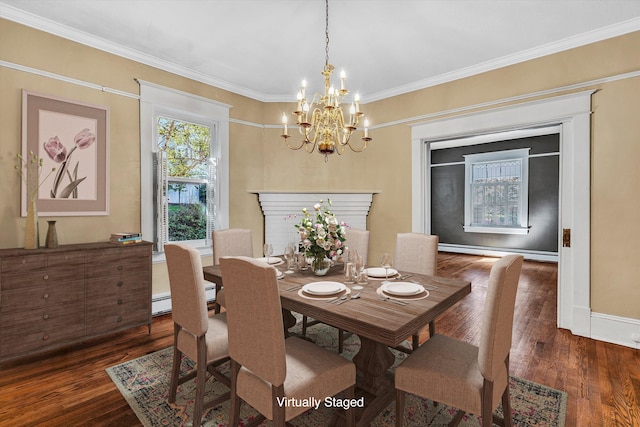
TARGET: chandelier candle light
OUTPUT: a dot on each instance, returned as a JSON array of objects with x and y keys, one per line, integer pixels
[{"x": 321, "y": 120}]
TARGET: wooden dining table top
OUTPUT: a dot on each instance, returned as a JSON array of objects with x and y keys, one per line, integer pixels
[{"x": 368, "y": 316}]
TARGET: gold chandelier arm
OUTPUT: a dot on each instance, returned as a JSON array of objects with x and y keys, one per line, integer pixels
[{"x": 360, "y": 149}]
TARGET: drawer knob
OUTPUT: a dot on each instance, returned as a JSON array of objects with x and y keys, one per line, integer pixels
[
  {"x": 45, "y": 296},
  {"x": 119, "y": 284},
  {"x": 45, "y": 337},
  {"x": 45, "y": 317},
  {"x": 119, "y": 302},
  {"x": 119, "y": 267},
  {"x": 45, "y": 277},
  {"x": 119, "y": 319}
]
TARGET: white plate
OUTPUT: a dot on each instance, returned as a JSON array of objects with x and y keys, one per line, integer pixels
[
  {"x": 402, "y": 288},
  {"x": 380, "y": 272},
  {"x": 279, "y": 274},
  {"x": 273, "y": 260},
  {"x": 323, "y": 288}
]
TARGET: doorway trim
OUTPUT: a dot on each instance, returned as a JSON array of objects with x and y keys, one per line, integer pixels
[{"x": 573, "y": 113}]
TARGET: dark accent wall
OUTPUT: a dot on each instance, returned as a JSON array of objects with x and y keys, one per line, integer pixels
[{"x": 447, "y": 196}]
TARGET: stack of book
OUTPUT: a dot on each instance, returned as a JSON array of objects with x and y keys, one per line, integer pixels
[{"x": 126, "y": 238}]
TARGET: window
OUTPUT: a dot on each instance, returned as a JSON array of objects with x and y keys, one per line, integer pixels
[
  {"x": 184, "y": 164},
  {"x": 496, "y": 192},
  {"x": 184, "y": 185}
]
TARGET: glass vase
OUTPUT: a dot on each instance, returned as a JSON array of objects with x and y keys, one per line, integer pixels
[{"x": 320, "y": 266}]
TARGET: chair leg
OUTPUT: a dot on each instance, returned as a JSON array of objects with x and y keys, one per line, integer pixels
[
  {"x": 175, "y": 368},
  {"x": 415, "y": 341},
  {"x": 234, "y": 411},
  {"x": 279, "y": 411},
  {"x": 400, "y": 397},
  {"x": 340, "y": 341},
  {"x": 350, "y": 413},
  {"x": 506, "y": 407},
  {"x": 487, "y": 396},
  {"x": 201, "y": 381}
]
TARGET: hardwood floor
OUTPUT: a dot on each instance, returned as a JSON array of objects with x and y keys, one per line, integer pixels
[{"x": 70, "y": 387}]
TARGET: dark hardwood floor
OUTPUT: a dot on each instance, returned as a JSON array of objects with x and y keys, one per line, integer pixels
[{"x": 70, "y": 387}]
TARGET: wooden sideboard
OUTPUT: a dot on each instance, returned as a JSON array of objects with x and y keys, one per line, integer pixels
[{"x": 50, "y": 298}]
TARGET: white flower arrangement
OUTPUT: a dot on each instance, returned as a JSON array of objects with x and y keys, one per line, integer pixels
[{"x": 321, "y": 234}]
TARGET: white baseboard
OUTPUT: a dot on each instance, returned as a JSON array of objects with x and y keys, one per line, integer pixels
[
  {"x": 498, "y": 252},
  {"x": 161, "y": 303},
  {"x": 615, "y": 330}
]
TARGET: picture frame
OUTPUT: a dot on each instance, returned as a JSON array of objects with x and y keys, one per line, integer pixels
[{"x": 73, "y": 138}]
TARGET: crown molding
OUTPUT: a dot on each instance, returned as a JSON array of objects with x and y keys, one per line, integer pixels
[
  {"x": 583, "y": 39},
  {"x": 49, "y": 26}
]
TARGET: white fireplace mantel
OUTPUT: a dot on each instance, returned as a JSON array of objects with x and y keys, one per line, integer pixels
[{"x": 283, "y": 210}]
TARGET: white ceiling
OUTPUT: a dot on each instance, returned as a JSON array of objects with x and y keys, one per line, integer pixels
[{"x": 264, "y": 48}]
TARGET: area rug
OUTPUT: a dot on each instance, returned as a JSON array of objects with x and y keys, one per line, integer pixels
[{"x": 144, "y": 383}]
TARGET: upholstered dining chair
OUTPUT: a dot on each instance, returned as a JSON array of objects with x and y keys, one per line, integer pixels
[
  {"x": 196, "y": 334},
  {"x": 472, "y": 379},
  {"x": 357, "y": 240},
  {"x": 230, "y": 242},
  {"x": 417, "y": 253},
  {"x": 266, "y": 368}
]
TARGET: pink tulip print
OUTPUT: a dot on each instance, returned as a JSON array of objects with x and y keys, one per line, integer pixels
[{"x": 66, "y": 181}]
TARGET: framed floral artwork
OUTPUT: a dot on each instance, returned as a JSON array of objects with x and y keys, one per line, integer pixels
[{"x": 71, "y": 140}]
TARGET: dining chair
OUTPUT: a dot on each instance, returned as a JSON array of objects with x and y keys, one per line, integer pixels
[
  {"x": 464, "y": 376},
  {"x": 417, "y": 253},
  {"x": 357, "y": 240},
  {"x": 230, "y": 242},
  {"x": 266, "y": 368},
  {"x": 196, "y": 334}
]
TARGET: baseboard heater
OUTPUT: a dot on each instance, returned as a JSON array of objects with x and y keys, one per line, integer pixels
[{"x": 161, "y": 303}]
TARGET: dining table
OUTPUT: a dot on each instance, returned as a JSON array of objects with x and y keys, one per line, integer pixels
[{"x": 381, "y": 321}]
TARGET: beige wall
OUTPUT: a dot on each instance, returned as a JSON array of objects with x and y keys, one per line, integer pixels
[{"x": 259, "y": 160}]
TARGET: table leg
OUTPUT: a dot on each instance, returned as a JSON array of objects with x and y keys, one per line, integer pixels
[{"x": 372, "y": 363}]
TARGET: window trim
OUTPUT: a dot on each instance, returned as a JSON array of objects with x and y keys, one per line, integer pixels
[
  {"x": 496, "y": 156},
  {"x": 159, "y": 100}
]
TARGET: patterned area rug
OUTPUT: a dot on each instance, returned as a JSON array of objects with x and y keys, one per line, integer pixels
[{"x": 144, "y": 383}]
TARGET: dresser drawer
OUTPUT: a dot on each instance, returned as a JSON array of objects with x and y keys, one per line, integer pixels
[
  {"x": 123, "y": 266},
  {"x": 19, "y": 342},
  {"x": 66, "y": 259},
  {"x": 109, "y": 317},
  {"x": 42, "y": 319},
  {"x": 39, "y": 277},
  {"x": 23, "y": 263},
  {"x": 118, "y": 299},
  {"x": 115, "y": 285},
  {"x": 53, "y": 295}
]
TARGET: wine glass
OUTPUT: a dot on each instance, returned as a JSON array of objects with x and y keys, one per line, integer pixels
[
  {"x": 268, "y": 250},
  {"x": 386, "y": 262},
  {"x": 358, "y": 271},
  {"x": 289, "y": 256}
]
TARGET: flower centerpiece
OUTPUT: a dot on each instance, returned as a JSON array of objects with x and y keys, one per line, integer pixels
[{"x": 322, "y": 236}]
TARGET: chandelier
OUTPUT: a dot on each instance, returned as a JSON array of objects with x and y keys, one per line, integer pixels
[{"x": 321, "y": 121}]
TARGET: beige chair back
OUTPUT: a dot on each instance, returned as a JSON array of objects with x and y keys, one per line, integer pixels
[
  {"x": 497, "y": 322},
  {"x": 231, "y": 242},
  {"x": 358, "y": 240},
  {"x": 186, "y": 280},
  {"x": 416, "y": 253},
  {"x": 254, "y": 317}
]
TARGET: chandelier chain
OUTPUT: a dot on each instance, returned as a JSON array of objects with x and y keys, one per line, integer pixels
[{"x": 326, "y": 33}]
